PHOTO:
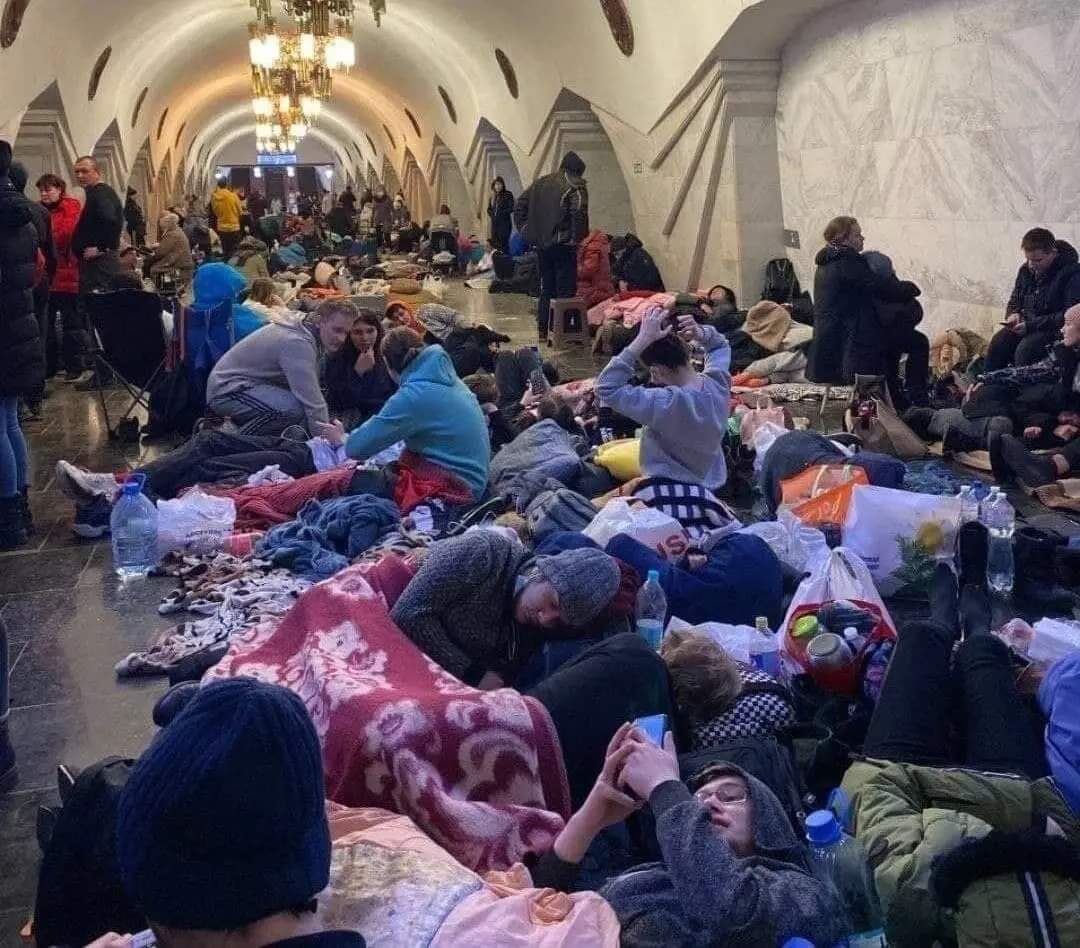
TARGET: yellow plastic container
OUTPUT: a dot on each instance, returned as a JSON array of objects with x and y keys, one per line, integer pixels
[{"x": 621, "y": 458}]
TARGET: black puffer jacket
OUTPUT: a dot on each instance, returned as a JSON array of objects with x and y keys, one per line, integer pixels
[
  {"x": 22, "y": 361},
  {"x": 847, "y": 329},
  {"x": 1043, "y": 299}
]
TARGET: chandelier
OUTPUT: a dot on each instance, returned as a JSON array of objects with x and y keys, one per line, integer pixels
[{"x": 323, "y": 34}]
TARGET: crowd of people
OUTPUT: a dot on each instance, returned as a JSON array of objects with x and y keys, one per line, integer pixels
[{"x": 435, "y": 622}]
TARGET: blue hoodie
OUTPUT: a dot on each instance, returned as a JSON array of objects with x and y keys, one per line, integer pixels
[
  {"x": 436, "y": 416},
  {"x": 217, "y": 282},
  {"x": 1059, "y": 698}
]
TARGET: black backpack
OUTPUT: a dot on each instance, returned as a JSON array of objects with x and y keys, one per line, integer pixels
[
  {"x": 781, "y": 283},
  {"x": 765, "y": 758},
  {"x": 80, "y": 896}
]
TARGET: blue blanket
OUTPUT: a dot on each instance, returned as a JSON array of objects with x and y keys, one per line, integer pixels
[{"x": 328, "y": 534}]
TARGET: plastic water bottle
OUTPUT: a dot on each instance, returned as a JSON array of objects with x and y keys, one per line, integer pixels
[
  {"x": 134, "y": 530},
  {"x": 969, "y": 504},
  {"x": 1000, "y": 521},
  {"x": 839, "y": 859},
  {"x": 765, "y": 649},
  {"x": 651, "y": 610}
]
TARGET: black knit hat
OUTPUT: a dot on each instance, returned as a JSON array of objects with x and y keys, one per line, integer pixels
[
  {"x": 5, "y": 158},
  {"x": 573, "y": 163},
  {"x": 222, "y": 821}
]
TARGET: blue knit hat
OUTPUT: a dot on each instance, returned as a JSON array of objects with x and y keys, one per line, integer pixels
[{"x": 222, "y": 821}]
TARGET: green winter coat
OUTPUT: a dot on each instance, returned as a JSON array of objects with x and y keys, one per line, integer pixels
[{"x": 1008, "y": 889}]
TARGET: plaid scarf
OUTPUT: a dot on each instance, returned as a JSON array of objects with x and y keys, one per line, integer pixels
[{"x": 697, "y": 508}]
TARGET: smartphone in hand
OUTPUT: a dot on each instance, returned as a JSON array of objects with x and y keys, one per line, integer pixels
[{"x": 653, "y": 727}]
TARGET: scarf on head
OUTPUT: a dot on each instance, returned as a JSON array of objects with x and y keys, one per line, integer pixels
[{"x": 767, "y": 323}]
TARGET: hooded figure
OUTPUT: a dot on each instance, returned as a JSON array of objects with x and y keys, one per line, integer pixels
[
  {"x": 635, "y": 266},
  {"x": 483, "y": 603},
  {"x": 251, "y": 259},
  {"x": 217, "y": 283},
  {"x": 594, "y": 269}
]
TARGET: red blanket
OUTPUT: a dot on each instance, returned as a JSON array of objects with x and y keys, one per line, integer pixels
[
  {"x": 263, "y": 505},
  {"x": 420, "y": 480},
  {"x": 480, "y": 772}
]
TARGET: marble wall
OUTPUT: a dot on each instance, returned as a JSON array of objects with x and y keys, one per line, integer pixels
[{"x": 948, "y": 127}]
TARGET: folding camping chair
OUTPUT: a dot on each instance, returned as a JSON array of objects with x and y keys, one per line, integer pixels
[{"x": 129, "y": 344}]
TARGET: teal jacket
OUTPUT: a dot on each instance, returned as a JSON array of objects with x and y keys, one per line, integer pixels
[{"x": 436, "y": 416}]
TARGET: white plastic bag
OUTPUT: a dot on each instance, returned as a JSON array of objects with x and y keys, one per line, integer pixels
[
  {"x": 840, "y": 575},
  {"x": 194, "y": 523},
  {"x": 900, "y": 535},
  {"x": 736, "y": 640},
  {"x": 650, "y": 527},
  {"x": 797, "y": 545},
  {"x": 1054, "y": 638},
  {"x": 434, "y": 285},
  {"x": 764, "y": 437}
]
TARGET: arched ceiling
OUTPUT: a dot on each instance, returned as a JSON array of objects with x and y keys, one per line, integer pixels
[{"x": 192, "y": 56}]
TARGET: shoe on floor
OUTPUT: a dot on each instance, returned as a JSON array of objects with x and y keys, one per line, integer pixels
[
  {"x": 955, "y": 441},
  {"x": 1035, "y": 470},
  {"x": 84, "y": 486},
  {"x": 91, "y": 384},
  {"x": 92, "y": 519}
]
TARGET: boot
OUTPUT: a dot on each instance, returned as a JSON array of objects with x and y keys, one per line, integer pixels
[
  {"x": 27, "y": 514},
  {"x": 1035, "y": 470},
  {"x": 955, "y": 441},
  {"x": 972, "y": 549},
  {"x": 12, "y": 531},
  {"x": 944, "y": 598},
  {"x": 1036, "y": 571},
  {"x": 918, "y": 420},
  {"x": 975, "y": 614}
]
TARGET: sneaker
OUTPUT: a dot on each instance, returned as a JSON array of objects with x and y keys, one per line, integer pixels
[
  {"x": 92, "y": 519},
  {"x": 84, "y": 487},
  {"x": 73, "y": 377},
  {"x": 91, "y": 384}
]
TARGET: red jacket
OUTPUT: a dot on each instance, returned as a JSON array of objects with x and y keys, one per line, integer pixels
[
  {"x": 594, "y": 269},
  {"x": 65, "y": 215}
]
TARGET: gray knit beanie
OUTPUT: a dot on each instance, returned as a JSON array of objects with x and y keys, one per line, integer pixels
[{"x": 585, "y": 580}]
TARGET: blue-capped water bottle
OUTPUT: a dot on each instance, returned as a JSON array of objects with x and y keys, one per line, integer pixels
[
  {"x": 133, "y": 524},
  {"x": 651, "y": 610}
]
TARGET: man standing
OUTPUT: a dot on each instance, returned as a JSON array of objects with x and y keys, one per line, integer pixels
[
  {"x": 553, "y": 214},
  {"x": 96, "y": 240},
  {"x": 227, "y": 212}
]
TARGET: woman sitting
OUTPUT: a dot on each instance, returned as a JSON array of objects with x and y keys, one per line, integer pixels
[
  {"x": 357, "y": 382},
  {"x": 432, "y": 412},
  {"x": 251, "y": 259},
  {"x": 270, "y": 381}
]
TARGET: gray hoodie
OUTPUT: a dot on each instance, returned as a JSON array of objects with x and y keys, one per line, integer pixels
[
  {"x": 684, "y": 426},
  {"x": 282, "y": 354},
  {"x": 701, "y": 894}
]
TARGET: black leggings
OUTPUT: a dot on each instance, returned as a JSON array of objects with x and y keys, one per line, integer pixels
[
  {"x": 593, "y": 694},
  {"x": 922, "y": 696},
  {"x": 512, "y": 372}
]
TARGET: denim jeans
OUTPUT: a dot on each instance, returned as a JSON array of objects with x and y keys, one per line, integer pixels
[{"x": 13, "y": 456}]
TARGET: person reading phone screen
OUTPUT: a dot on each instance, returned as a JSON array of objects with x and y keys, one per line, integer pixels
[{"x": 732, "y": 870}]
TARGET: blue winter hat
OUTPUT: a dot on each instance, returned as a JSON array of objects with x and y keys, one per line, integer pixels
[{"x": 222, "y": 821}]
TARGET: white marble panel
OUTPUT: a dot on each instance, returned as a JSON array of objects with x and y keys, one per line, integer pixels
[
  {"x": 1001, "y": 183},
  {"x": 941, "y": 91},
  {"x": 882, "y": 36},
  {"x": 987, "y": 258},
  {"x": 978, "y": 19},
  {"x": 1023, "y": 65}
]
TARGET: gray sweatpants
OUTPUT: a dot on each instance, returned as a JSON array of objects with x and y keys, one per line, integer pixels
[{"x": 260, "y": 410}]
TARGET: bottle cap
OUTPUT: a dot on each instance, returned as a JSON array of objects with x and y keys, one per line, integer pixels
[
  {"x": 761, "y": 623},
  {"x": 654, "y": 576},
  {"x": 822, "y": 829},
  {"x": 131, "y": 488},
  {"x": 798, "y": 943},
  {"x": 851, "y": 633}
]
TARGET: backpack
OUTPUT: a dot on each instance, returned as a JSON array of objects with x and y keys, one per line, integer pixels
[
  {"x": 80, "y": 896},
  {"x": 781, "y": 283},
  {"x": 766, "y": 758},
  {"x": 553, "y": 511}
]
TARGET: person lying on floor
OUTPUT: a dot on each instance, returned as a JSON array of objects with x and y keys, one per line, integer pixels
[
  {"x": 718, "y": 699},
  {"x": 432, "y": 412},
  {"x": 221, "y": 830},
  {"x": 270, "y": 381},
  {"x": 732, "y": 870},
  {"x": 685, "y": 415},
  {"x": 481, "y": 604},
  {"x": 969, "y": 844},
  {"x": 355, "y": 377},
  {"x": 471, "y": 348}
]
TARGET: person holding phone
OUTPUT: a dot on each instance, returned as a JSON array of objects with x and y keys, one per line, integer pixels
[{"x": 732, "y": 870}]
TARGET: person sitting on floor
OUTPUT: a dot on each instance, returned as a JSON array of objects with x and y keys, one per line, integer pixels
[
  {"x": 221, "y": 829},
  {"x": 594, "y": 269},
  {"x": 685, "y": 417},
  {"x": 978, "y": 848},
  {"x": 264, "y": 301},
  {"x": 718, "y": 699},
  {"x": 634, "y": 267},
  {"x": 900, "y": 338},
  {"x": 481, "y": 604},
  {"x": 732, "y": 871},
  {"x": 357, "y": 382},
  {"x": 432, "y": 412},
  {"x": 1046, "y": 285},
  {"x": 270, "y": 381},
  {"x": 769, "y": 342}
]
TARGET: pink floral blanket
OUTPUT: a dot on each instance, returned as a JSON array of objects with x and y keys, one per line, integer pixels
[{"x": 480, "y": 772}]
